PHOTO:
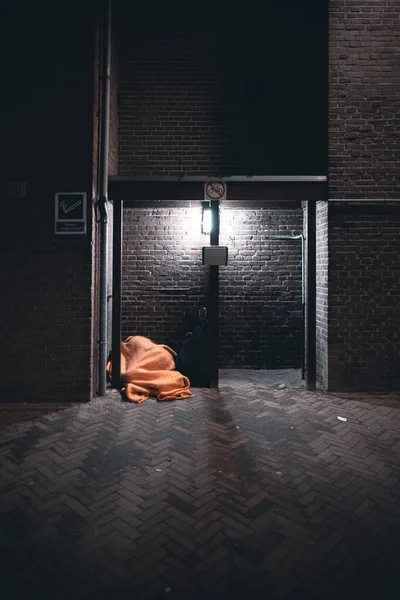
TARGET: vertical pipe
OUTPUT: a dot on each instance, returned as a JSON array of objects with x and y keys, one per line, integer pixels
[
  {"x": 117, "y": 294},
  {"x": 214, "y": 297},
  {"x": 103, "y": 199},
  {"x": 311, "y": 332},
  {"x": 303, "y": 311}
]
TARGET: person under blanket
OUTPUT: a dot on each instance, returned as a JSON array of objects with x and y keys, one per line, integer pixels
[{"x": 148, "y": 369}]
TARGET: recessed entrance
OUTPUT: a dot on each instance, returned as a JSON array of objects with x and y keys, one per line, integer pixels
[{"x": 261, "y": 292}]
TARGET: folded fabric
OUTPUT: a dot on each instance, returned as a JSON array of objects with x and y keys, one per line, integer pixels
[{"x": 148, "y": 369}]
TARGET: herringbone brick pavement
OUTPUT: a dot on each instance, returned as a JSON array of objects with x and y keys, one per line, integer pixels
[{"x": 252, "y": 491}]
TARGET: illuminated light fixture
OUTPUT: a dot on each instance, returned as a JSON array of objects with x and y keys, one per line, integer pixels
[{"x": 206, "y": 221}]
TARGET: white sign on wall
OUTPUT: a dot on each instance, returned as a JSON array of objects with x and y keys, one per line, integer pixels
[{"x": 70, "y": 213}]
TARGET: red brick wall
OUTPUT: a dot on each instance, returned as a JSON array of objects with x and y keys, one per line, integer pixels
[
  {"x": 364, "y": 302},
  {"x": 322, "y": 265},
  {"x": 260, "y": 289},
  {"x": 364, "y": 112},
  {"x": 45, "y": 304}
]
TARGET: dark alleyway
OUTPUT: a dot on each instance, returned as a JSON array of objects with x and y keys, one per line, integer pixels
[{"x": 249, "y": 492}]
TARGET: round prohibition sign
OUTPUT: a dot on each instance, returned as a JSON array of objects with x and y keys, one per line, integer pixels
[{"x": 215, "y": 190}]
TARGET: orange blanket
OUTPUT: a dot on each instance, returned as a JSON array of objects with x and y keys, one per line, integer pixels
[{"x": 148, "y": 369}]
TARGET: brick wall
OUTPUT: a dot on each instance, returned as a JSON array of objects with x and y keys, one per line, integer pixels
[
  {"x": 364, "y": 303},
  {"x": 171, "y": 110},
  {"x": 45, "y": 303},
  {"x": 95, "y": 274},
  {"x": 162, "y": 273},
  {"x": 364, "y": 118},
  {"x": 260, "y": 289},
  {"x": 199, "y": 100},
  {"x": 110, "y": 275},
  {"x": 364, "y": 111},
  {"x": 304, "y": 209},
  {"x": 113, "y": 150},
  {"x": 322, "y": 264}
]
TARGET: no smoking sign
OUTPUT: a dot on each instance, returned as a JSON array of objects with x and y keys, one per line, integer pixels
[{"x": 215, "y": 190}]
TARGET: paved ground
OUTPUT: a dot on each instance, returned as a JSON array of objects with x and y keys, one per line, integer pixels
[{"x": 249, "y": 492}]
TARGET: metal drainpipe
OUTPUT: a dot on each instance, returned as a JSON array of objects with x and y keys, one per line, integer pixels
[
  {"x": 303, "y": 288},
  {"x": 103, "y": 192}
]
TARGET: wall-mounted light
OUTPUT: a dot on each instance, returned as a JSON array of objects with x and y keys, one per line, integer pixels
[{"x": 206, "y": 220}]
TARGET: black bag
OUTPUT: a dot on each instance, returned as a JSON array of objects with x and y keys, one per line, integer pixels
[{"x": 193, "y": 359}]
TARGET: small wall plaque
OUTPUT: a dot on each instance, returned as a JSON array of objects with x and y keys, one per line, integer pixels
[{"x": 70, "y": 213}]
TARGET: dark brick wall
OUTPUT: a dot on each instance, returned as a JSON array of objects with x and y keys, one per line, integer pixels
[
  {"x": 113, "y": 150},
  {"x": 322, "y": 264},
  {"x": 45, "y": 303},
  {"x": 364, "y": 118},
  {"x": 171, "y": 109},
  {"x": 95, "y": 274},
  {"x": 260, "y": 289},
  {"x": 110, "y": 274},
  {"x": 305, "y": 209},
  {"x": 364, "y": 300},
  {"x": 196, "y": 99},
  {"x": 364, "y": 112}
]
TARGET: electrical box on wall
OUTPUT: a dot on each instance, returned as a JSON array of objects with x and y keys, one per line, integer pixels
[{"x": 215, "y": 255}]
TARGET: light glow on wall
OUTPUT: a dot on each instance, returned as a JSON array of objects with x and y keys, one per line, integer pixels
[{"x": 206, "y": 224}]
